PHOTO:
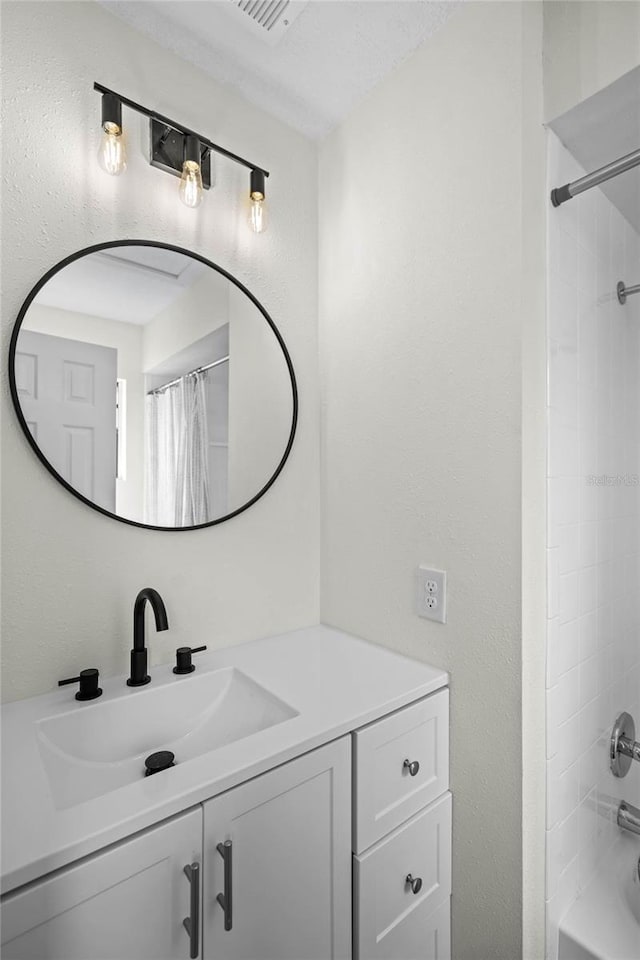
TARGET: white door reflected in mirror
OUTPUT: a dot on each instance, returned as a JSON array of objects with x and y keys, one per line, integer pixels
[{"x": 153, "y": 386}]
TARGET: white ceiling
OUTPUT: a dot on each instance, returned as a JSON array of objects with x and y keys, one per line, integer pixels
[
  {"x": 604, "y": 128},
  {"x": 129, "y": 284},
  {"x": 326, "y": 62}
]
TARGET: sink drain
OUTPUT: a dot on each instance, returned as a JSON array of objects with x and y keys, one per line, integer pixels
[{"x": 156, "y": 762}]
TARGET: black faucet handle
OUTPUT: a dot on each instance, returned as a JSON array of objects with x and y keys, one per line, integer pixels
[
  {"x": 88, "y": 680},
  {"x": 183, "y": 659}
]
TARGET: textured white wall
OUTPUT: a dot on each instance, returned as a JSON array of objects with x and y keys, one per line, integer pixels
[
  {"x": 421, "y": 241},
  {"x": 71, "y": 575},
  {"x": 593, "y": 641},
  {"x": 587, "y": 45}
]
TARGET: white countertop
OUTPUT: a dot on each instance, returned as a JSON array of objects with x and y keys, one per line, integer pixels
[{"x": 336, "y": 682}]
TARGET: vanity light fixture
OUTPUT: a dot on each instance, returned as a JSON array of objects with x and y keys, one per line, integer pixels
[
  {"x": 112, "y": 155},
  {"x": 177, "y": 150}
]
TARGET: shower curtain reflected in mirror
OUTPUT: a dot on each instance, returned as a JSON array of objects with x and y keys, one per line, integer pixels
[{"x": 176, "y": 461}]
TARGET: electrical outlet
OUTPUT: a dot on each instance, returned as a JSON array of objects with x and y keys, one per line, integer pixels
[{"x": 431, "y": 594}]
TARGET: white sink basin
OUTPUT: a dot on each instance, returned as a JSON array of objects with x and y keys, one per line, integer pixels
[{"x": 98, "y": 747}]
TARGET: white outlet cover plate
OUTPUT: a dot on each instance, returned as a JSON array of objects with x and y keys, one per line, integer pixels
[{"x": 431, "y": 594}]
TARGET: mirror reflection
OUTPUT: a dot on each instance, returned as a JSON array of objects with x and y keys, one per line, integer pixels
[{"x": 154, "y": 386}]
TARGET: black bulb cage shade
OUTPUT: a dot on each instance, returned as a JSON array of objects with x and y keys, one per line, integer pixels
[
  {"x": 192, "y": 151},
  {"x": 256, "y": 189},
  {"x": 172, "y": 143},
  {"x": 111, "y": 110}
]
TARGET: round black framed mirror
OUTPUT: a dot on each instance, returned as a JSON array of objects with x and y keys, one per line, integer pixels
[{"x": 153, "y": 385}]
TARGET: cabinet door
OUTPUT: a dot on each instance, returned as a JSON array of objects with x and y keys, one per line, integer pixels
[
  {"x": 124, "y": 903},
  {"x": 290, "y": 863}
]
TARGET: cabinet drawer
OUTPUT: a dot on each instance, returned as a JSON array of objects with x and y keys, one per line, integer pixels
[
  {"x": 392, "y": 922},
  {"x": 423, "y": 935},
  {"x": 386, "y": 793}
]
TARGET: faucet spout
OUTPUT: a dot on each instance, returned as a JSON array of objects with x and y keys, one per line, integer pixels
[
  {"x": 139, "y": 674},
  {"x": 629, "y": 748},
  {"x": 159, "y": 611},
  {"x": 629, "y": 818}
]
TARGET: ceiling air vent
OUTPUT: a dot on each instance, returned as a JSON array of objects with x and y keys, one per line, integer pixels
[{"x": 268, "y": 19}]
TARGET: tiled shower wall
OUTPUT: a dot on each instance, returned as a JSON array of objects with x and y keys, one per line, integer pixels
[{"x": 593, "y": 538}]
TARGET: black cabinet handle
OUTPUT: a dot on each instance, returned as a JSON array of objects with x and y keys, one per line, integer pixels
[
  {"x": 192, "y": 922},
  {"x": 225, "y": 899},
  {"x": 414, "y": 882},
  {"x": 412, "y": 766}
]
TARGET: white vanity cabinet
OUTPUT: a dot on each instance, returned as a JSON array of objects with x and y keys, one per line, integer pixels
[
  {"x": 127, "y": 902},
  {"x": 341, "y": 853},
  {"x": 289, "y": 856}
]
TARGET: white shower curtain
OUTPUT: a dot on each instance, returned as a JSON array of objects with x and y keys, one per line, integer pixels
[{"x": 176, "y": 461}]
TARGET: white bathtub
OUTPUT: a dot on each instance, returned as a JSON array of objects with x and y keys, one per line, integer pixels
[{"x": 604, "y": 923}]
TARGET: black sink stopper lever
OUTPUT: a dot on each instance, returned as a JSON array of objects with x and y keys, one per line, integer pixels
[
  {"x": 88, "y": 680},
  {"x": 183, "y": 659}
]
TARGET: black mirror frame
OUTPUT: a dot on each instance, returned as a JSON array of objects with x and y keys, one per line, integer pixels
[{"x": 194, "y": 256}]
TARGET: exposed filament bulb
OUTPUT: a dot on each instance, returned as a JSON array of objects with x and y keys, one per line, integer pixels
[
  {"x": 191, "y": 184},
  {"x": 112, "y": 155},
  {"x": 257, "y": 213}
]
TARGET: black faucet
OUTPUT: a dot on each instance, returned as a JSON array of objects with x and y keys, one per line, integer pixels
[{"x": 139, "y": 674}]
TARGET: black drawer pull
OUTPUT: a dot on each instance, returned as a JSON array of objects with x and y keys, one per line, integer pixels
[
  {"x": 192, "y": 922},
  {"x": 412, "y": 766},
  {"x": 224, "y": 899}
]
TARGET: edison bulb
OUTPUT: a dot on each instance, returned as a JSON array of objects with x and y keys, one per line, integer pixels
[
  {"x": 112, "y": 155},
  {"x": 191, "y": 184},
  {"x": 257, "y": 213}
]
